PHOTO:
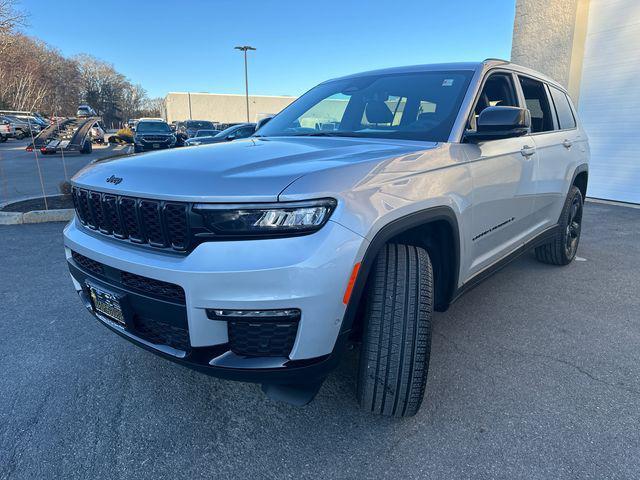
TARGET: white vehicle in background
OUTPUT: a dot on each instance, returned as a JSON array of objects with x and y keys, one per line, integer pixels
[
  {"x": 97, "y": 133},
  {"x": 7, "y": 130}
]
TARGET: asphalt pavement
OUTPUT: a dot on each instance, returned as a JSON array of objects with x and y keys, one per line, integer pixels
[
  {"x": 534, "y": 374},
  {"x": 19, "y": 173}
]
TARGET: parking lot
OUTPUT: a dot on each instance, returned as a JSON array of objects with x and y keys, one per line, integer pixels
[
  {"x": 535, "y": 373},
  {"x": 19, "y": 178}
]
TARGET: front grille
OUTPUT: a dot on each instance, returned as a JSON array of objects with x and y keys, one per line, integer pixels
[
  {"x": 87, "y": 264},
  {"x": 158, "y": 332},
  {"x": 156, "y": 223},
  {"x": 155, "y": 138},
  {"x": 262, "y": 339},
  {"x": 157, "y": 288},
  {"x": 126, "y": 280}
]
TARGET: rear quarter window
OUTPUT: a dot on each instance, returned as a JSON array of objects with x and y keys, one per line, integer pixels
[{"x": 563, "y": 108}]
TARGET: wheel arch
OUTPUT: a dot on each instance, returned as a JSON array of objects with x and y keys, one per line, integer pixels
[
  {"x": 581, "y": 179},
  {"x": 436, "y": 230}
]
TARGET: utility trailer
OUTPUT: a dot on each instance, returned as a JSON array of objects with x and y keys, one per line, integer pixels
[{"x": 70, "y": 135}]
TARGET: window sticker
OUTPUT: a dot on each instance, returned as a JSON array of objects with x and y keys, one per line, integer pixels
[{"x": 447, "y": 82}]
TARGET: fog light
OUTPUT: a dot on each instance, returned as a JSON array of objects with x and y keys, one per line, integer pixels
[{"x": 288, "y": 314}]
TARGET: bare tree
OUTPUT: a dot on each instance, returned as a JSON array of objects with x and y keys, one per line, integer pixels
[
  {"x": 153, "y": 107},
  {"x": 10, "y": 19}
]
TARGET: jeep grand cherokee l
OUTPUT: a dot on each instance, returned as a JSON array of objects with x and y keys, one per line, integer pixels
[
  {"x": 260, "y": 259},
  {"x": 152, "y": 135}
]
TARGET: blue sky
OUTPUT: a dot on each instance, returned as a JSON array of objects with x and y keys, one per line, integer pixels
[{"x": 184, "y": 45}]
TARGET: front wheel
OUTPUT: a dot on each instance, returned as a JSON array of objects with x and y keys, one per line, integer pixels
[
  {"x": 394, "y": 358},
  {"x": 562, "y": 249}
]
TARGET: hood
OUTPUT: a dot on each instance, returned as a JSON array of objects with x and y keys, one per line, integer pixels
[{"x": 253, "y": 170}]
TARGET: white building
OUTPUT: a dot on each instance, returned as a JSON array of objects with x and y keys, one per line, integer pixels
[
  {"x": 593, "y": 47},
  {"x": 223, "y": 108}
]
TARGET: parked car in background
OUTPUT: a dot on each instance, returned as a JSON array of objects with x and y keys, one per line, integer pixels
[
  {"x": 7, "y": 129},
  {"x": 26, "y": 115},
  {"x": 190, "y": 127},
  {"x": 242, "y": 130},
  {"x": 206, "y": 133},
  {"x": 153, "y": 135},
  {"x": 23, "y": 128},
  {"x": 97, "y": 133},
  {"x": 85, "y": 111}
]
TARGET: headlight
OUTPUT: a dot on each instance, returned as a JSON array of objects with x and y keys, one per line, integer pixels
[{"x": 267, "y": 219}]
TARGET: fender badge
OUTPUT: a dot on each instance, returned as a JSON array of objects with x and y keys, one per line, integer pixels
[{"x": 113, "y": 179}]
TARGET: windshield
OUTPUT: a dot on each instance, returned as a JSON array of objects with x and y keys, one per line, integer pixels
[
  {"x": 146, "y": 127},
  {"x": 411, "y": 106},
  {"x": 227, "y": 131},
  {"x": 199, "y": 125},
  {"x": 206, "y": 133}
]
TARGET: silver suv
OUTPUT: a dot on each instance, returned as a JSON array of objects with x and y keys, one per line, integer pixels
[{"x": 368, "y": 203}]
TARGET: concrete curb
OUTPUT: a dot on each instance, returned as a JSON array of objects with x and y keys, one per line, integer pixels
[
  {"x": 613, "y": 202},
  {"x": 36, "y": 216}
]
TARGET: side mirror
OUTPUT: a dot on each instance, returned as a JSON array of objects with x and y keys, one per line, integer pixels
[
  {"x": 500, "y": 122},
  {"x": 231, "y": 136}
]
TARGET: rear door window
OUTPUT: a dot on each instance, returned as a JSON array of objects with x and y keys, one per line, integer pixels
[
  {"x": 563, "y": 109},
  {"x": 537, "y": 102}
]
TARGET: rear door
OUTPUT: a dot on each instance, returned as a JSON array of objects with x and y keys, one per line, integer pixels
[
  {"x": 503, "y": 174},
  {"x": 556, "y": 139}
]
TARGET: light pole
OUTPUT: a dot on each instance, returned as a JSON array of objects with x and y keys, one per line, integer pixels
[{"x": 244, "y": 49}]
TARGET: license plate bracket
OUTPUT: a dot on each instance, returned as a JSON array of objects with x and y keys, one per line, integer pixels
[{"x": 107, "y": 304}]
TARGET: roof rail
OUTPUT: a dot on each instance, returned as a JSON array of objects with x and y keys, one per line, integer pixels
[{"x": 490, "y": 59}]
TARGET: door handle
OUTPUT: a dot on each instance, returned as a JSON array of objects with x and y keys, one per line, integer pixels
[
  {"x": 567, "y": 143},
  {"x": 527, "y": 151}
]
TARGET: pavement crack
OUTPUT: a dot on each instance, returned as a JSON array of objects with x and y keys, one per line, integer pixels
[{"x": 567, "y": 363}]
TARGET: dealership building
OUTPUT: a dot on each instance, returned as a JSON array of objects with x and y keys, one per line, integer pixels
[
  {"x": 223, "y": 108},
  {"x": 593, "y": 48}
]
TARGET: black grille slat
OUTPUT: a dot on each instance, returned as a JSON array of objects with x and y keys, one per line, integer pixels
[
  {"x": 150, "y": 216},
  {"x": 158, "y": 332},
  {"x": 155, "y": 138},
  {"x": 83, "y": 206},
  {"x": 150, "y": 286},
  {"x": 87, "y": 264},
  {"x": 129, "y": 211},
  {"x": 157, "y": 288},
  {"x": 262, "y": 339},
  {"x": 110, "y": 210},
  {"x": 156, "y": 223},
  {"x": 177, "y": 225},
  {"x": 97, "y": 216}
]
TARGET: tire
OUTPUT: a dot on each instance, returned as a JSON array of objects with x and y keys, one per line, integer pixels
[
  {"x": 394, "y": 359},
  {"x": 21, "y": 135},
  {"x": 562, "y": 249},
  {"x": 3, "y": 139}
]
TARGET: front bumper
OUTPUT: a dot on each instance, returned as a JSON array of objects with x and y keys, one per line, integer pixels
[{"x": 309, "y": 273}]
